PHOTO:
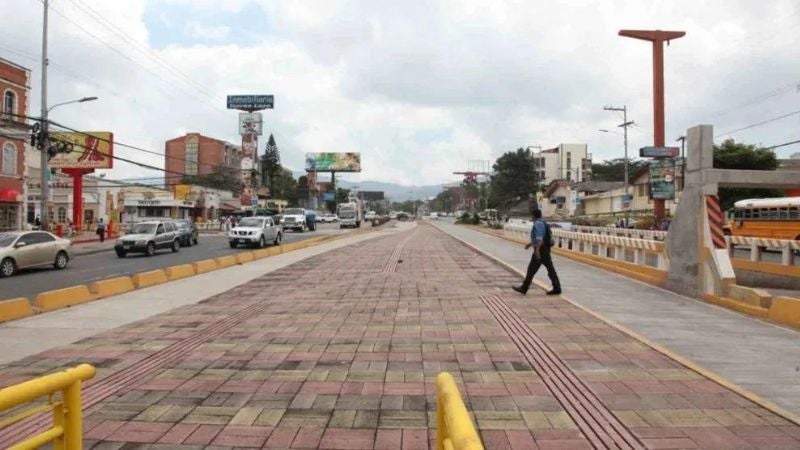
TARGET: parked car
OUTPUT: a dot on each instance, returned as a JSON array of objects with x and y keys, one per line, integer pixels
[
  {"x": 187, "y": 231},
  {"x": 148, "y": 237},
  {"x": 370, "y": 216},
  {"x": 256, "y": 231},
  {"x": 23, "y": 250}
]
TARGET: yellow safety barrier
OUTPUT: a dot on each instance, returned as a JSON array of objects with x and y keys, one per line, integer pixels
[
  {"x": 178, "y": 272},
  {"x": 245, "y": 257},
  {"x": 61, "y": 298},
  {"x": 149, "y": 278},
  {"x": 225, "y": 261},
  {"x": 454, "y": 429},
  {"x": 15, "y": 308},
  {"x": 67, "y": 430},
  {"x": 206, "y": 265},
  {"x": 112, "y": 286}
]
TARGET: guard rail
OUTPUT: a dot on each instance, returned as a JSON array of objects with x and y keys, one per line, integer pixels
[
  {"x": 788, "y": 248},
  {"x": 656, "y": 235}
]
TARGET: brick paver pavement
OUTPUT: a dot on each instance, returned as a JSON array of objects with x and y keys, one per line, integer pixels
[{"x": 340, "y": 351}]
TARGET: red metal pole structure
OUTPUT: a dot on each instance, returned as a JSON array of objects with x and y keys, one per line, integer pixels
[{"x": 657, "y": 37}]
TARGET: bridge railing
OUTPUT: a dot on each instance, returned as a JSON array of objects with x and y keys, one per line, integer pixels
[
  {"x": 654, "y": 235},
  {"x": 641, "y": 252},
  {"x": 787, "y": 247},
  {"x": 67, "y": 430}
]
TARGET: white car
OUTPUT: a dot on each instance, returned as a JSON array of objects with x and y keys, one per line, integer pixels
[
  {"x": 257, "y": 231},
  {"x": 328, "y": 218}
]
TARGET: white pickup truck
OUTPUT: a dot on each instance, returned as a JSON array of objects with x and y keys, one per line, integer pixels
[{"x": 257, "y": 231}]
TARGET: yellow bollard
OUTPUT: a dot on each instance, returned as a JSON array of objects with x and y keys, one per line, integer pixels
[{"x": 454, "y": 428}]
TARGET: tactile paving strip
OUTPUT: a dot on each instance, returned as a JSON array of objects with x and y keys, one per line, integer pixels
[{"x": 593, "y": 419}]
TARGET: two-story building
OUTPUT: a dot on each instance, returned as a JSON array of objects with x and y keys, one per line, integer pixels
[{"x": 14, "y": 135}]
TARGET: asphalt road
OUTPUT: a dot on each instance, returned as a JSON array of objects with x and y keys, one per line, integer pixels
[{"x": 87, "y": 268}]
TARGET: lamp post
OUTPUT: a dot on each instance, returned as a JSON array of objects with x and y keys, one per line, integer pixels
[{"x": 45, "y": 189}]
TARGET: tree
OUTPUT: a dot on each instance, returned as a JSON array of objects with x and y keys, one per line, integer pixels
[
  {"x": 732, "y": 155},
  {"x": 222, "y": 177},
  {"x": 342, "y": 195},
  {"x": 614, "y": 169},
  {"x": 444, "y": 201},
  {"x": 514, "y": 177},
  {"x": 284, "y": 187},
  {"x": 270, "y": 164}
]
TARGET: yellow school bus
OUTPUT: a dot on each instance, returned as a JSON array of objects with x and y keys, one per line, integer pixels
[{"x": 776, "y": 218}]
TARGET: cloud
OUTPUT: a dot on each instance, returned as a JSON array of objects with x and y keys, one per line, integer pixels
[{"x": 419, "y": 87}]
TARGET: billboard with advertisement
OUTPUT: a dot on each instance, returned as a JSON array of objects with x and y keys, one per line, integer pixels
[
  {"x": 250, "y": 123},
  {"x": 333, "y": 162},
  {"x": 90, "y": 150},
  {"x": 662, "y": 179},
  {"x": 371, "y": 196}
]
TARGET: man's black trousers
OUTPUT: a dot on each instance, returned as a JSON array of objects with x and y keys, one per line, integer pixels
[{"x": 533, "y": 267}]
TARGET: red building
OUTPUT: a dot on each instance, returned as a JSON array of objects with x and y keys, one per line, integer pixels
[
  {"x": 14, "y": 133},
  {"x": 195, "y": 154}
]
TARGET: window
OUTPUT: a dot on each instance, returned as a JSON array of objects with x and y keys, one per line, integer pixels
[
  {"x": 9, "y": 102},
  {"x": 36, "y": 238},
  {"x": 641, "y": 190},
  {"x": 192, "y": 147},
  {"x": 160, "y": 229},
  {"x": 569, "y": 163},
  {"x": 62, "y": 214},
  {"x": 9, "y": 159}
]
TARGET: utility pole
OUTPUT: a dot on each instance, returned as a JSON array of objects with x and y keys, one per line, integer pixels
[
  {"x": 625, "y": 124},
  {"x": 45, "y": 189}
]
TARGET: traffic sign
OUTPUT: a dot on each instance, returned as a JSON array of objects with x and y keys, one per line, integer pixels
[{"x": 658, "y": 152}]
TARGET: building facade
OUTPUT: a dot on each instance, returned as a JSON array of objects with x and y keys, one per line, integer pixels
[
  {"x": 570, "y": 162},
  {"x": 14, "y": 135},
  {"x": 195, "y": 154}
]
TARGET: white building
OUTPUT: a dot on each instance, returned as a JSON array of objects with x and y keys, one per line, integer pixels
[{"x": 571, "y": 162}]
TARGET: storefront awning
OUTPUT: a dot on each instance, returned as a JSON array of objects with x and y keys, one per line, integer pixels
[
  {"x": 229, "y": 207},
  {"x": 10, "y": 195}
]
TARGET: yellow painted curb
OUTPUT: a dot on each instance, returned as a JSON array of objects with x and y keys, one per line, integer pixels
[
  {"x": 180, "y": 271},
  {"x": 225, "y": 261},
  {"x": 785, "y": 310},
  {"x": 149, "y": 278},
  {"x": 245, "y": 257},
  {"x": 15, "y": 308},
  {"x": 261, "y": 253},
  {"x": 766, "y": 404},
  {"x": 738, "y": 305},
  {"x": 203, "y": 266},
  {"x": 61, "y": 298},
  {"x": 111, "y": 286}
]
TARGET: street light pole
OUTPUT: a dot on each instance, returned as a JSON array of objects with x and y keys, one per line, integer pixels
[
  {"x": 45, "y": 189},
  {"x": 625, "y": 124},
  {"x": 683, "y": 160}
]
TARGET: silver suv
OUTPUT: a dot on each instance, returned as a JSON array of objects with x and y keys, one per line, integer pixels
[{"x": 147, "y": 237}]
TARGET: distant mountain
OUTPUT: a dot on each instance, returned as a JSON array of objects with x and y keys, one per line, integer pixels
[{"x": 393, "y": 191}]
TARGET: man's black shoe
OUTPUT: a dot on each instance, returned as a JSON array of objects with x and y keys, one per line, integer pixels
[
  {"x": 519, "y": 289},
  {"x": 554, "y": 292}
]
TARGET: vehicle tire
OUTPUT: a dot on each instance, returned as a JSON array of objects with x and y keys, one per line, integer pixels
[
  {"x": 61, "y": 260},
  {"x": 262, "y": 242},
  {"x": 7, "y": 268},
  {"x": 121, "y": 253},
  {"x": 195, "y": 241},
  {"x": 188, "y": 241},
  {"x": 277, "y": 240},
  {"x": 232, "y": 244},
  {"x": 176, "y": 246},
  {"x": 151, "y": 249}
]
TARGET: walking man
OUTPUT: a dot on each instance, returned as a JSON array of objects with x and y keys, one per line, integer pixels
[
  {"x": 101, "y": 230},
  {"x": 541, "y": 241}
]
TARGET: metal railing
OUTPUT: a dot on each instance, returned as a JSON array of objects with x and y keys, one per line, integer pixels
[
  {"x": 788, "y": 248},
  {"x": 656, "y": 235},
  {"x": 67, "y": 430},
  {"x": 644, "y": 252},
  {"x": 454, "y": 429}
]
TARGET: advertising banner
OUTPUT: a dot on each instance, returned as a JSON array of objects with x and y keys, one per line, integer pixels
[
  {"x": 251, "y": 102},
  {"x": 662, "y": 179},
  {"x": 90, "y": 150},
  {"x": 250, "y": 123},
  {"x": 328, "y": 196},
  {"x": 333, "y": 162}
]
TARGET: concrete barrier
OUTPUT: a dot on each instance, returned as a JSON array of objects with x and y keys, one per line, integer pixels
[
  {"x": 261, "y": 253},
  {"x": 112, "y": 286},
  {"x": 751, "y": 296},
  {"x": 62, "y": 298},
  {"x": 245, "y": 257},
  {"x": 206, "y": 265},
  {"x": 149, "y": 278},
  {"x": 785, "y": 310},
  {"x": 225, "y": 261},
  {"x": 178, "y": 272},
  {"x": 15, "y": 308}
]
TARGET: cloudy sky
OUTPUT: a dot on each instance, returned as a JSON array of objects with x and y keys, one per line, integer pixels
[{"x": 418, "y": 87}]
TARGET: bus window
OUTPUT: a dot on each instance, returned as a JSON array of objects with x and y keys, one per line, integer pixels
[
  {"x": 783, "y": 213},
  {"x": 793, "y": 213}
]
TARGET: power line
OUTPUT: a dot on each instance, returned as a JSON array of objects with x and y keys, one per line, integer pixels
[
  {"x": 758, "y": 124},
  {"x": 783, "y": 145}
]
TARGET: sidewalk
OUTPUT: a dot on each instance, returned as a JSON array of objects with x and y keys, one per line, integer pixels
[
  {"x": 88, "y": 248},
  {"x": 759, "y": 356},
  {"x": 341, "y": 350}
]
